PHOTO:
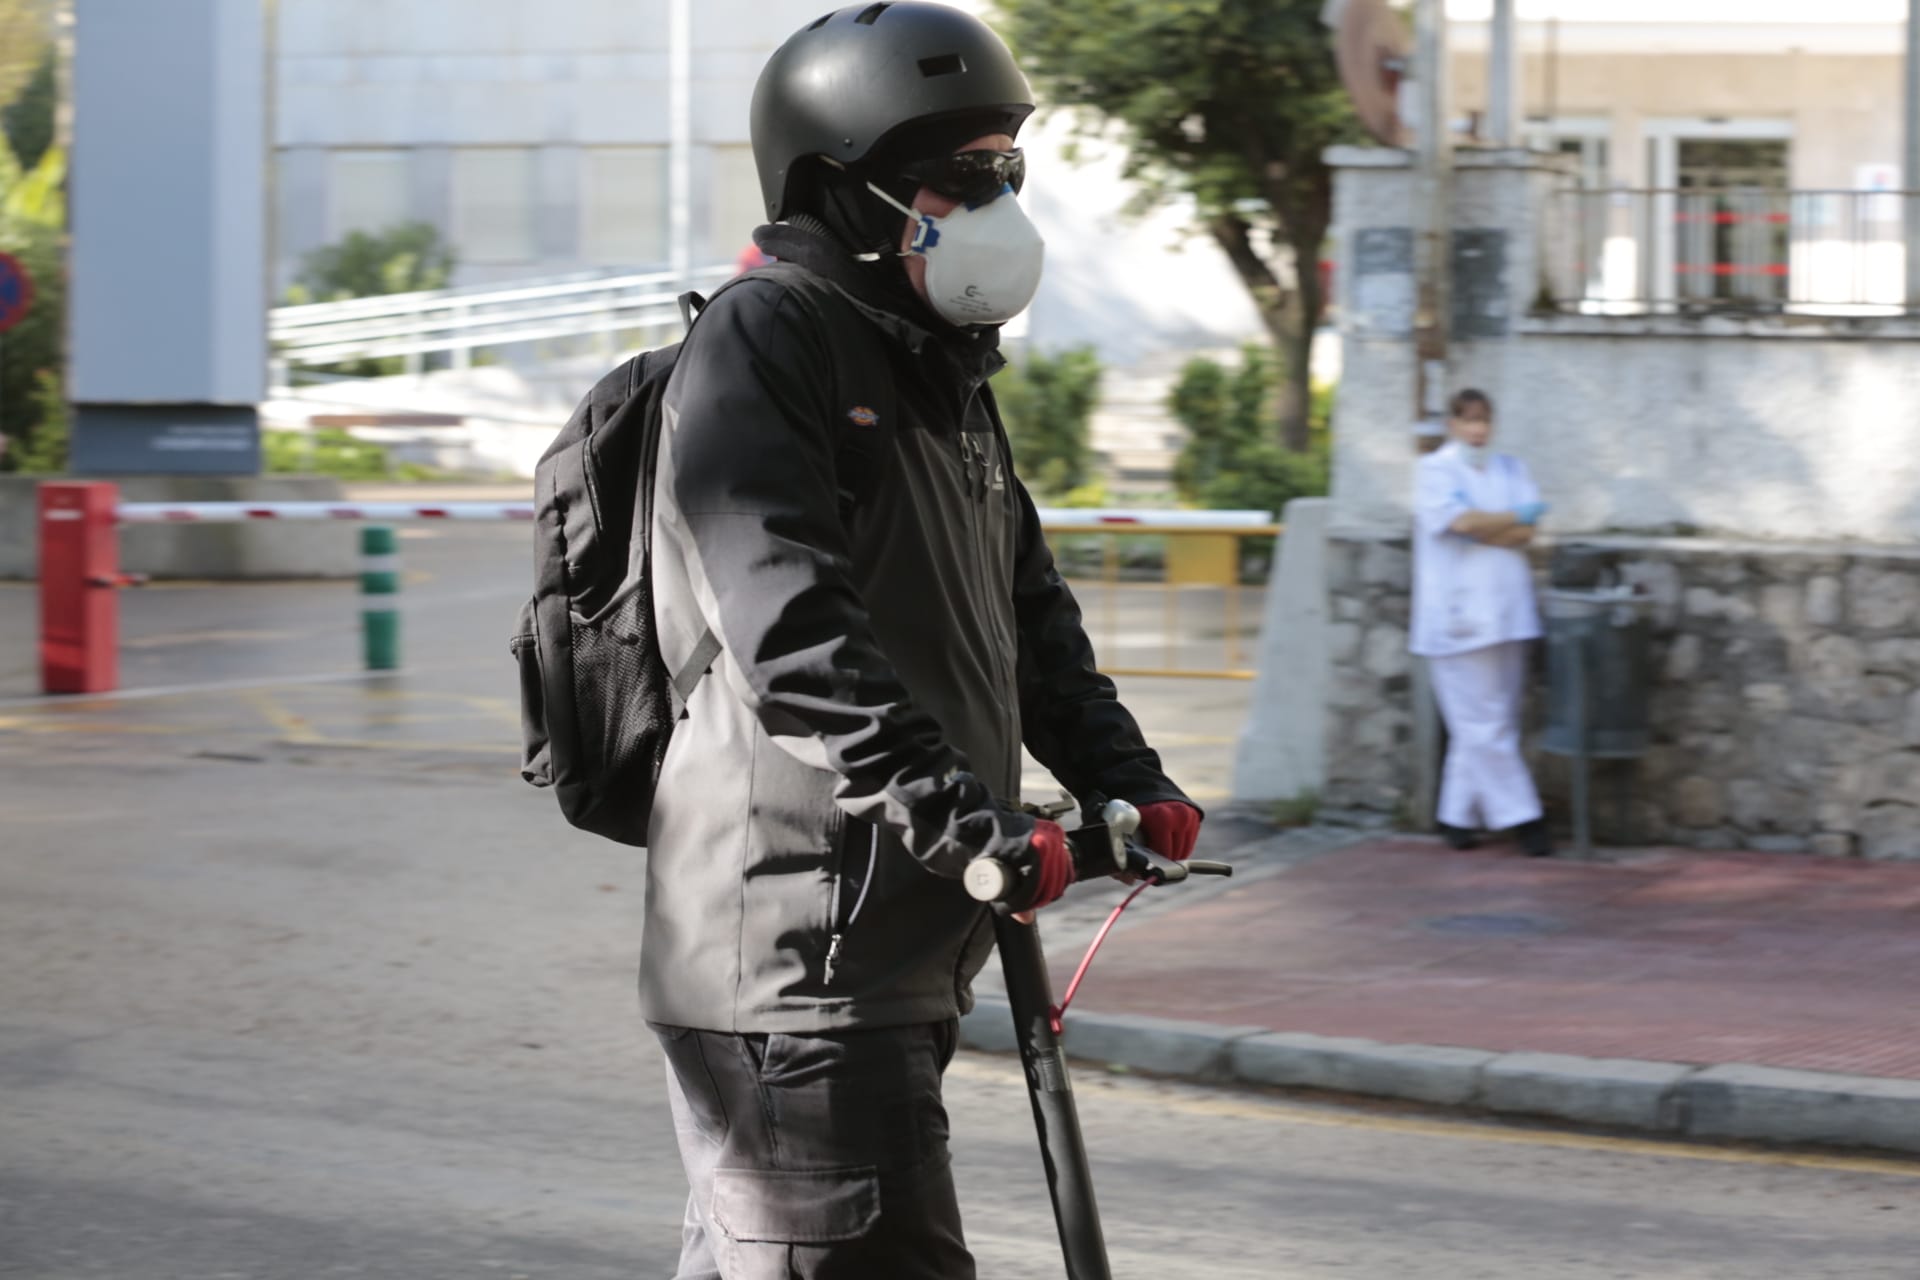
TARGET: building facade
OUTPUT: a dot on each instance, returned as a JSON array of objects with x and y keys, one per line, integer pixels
[{"x": 535, "y": 136}]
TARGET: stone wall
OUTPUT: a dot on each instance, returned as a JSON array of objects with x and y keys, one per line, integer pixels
[{"x": 1785, "y": 707}]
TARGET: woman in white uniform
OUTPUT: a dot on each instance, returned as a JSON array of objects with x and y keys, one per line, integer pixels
[{"x": 1473, "y": 616}]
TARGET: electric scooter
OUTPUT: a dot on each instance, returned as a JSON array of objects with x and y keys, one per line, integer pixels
[{"x": 1106, "y": 848}]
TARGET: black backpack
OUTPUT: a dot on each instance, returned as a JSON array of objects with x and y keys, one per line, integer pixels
[{"x": 597, "y": 703}]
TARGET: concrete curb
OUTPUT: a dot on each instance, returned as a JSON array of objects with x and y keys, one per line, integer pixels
[{"x": 1766, "y": 1104}]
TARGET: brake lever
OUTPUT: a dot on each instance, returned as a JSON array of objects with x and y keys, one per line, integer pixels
[{"x": 1156, "y": 869}]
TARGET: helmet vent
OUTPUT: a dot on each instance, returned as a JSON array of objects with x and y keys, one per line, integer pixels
[
  {"x": 947, "y": 64},
  {"x": 820, "y": 21},
  {"x": 872, "y": 13}
]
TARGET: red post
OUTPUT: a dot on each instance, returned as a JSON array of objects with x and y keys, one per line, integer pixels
[{"x": 79, "y": 588}]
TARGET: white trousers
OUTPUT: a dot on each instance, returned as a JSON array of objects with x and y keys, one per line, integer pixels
[{"x": 1485, "y": 782}]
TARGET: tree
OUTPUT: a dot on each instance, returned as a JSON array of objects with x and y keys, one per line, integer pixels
[
  {"x": 1230, "y": 102},
  {"x": 28, "y": 120},
  {"x": 26, "y": 36},
  {"x": 32, "y": 226},
  {"x": 1047, "y": 403}
]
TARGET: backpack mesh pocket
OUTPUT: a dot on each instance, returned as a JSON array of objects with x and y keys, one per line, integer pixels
[{"x": 623, "y": 714}]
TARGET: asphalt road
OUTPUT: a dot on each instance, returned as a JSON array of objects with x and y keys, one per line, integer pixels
[{"x": 299, "y": 980}]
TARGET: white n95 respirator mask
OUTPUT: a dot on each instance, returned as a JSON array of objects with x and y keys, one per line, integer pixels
[{"x": 983, "y": 260}]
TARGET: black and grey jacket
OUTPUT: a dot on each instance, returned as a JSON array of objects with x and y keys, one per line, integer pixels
[{"x": 889, "y": 638}]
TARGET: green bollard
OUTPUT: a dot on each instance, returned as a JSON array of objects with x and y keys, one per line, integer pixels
[{"x": 379, "y": 585}]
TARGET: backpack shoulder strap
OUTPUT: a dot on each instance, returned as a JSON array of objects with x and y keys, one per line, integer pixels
[
  {"x": 691, "y": 305},
  {"x": 857, "y": 459},
  {"x": 687, "y": 678},
  {"x": 700, "y": 660}
]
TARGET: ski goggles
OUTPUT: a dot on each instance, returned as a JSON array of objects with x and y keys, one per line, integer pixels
[{"x": 972, "y": 177}]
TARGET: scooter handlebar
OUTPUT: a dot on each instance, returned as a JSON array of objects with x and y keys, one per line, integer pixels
[{"x": 1100, "y": 849}]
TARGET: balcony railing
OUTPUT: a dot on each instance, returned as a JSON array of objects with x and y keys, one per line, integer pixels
[{"x": 1737, "y": 251}]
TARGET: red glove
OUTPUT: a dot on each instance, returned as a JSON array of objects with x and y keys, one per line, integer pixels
[
  {"x": 1170, "y": 828},
  {"x": 1052, "y": 863}
]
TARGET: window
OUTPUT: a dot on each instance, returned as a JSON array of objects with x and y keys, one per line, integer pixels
[
  {"x": 493, "y": 204},
  {"x": 366, "y": 191},
  {"x": 1721, "y": 216},
  {"x": 737, "y": 204},
  {"x": 623, "y": 206}
]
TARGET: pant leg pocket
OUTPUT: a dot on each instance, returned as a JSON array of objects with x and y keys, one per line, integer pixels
[
  {"x": 796, "y": 1206},
  {"x": 706, "y": 1104}
]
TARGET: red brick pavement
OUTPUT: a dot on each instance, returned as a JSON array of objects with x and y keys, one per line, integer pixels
[{"x": 1669, "y": 955}]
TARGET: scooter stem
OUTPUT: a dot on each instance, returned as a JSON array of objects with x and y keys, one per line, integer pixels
[{"x": 1063, "y": 1149}]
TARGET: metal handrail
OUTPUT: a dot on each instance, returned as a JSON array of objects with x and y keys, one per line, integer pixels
[
  {"x": 304, "y": 313},
  {"x": 370, "y": 330},
  {"x": 488, "y": 316},
  {"x": 1730, "y": 250}
]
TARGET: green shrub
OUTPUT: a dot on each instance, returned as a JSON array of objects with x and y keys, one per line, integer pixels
[
  {"x": 44, "y": 450},
  {"x": 1299, "y": 811},
  {"x": 1047, "y": 403},
  {"x": 1231, "y": 459},
  {"x": 404, "y": 258},
  {"x": 332, "y": 452}
]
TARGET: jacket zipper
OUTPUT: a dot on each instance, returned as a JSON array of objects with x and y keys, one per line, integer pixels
[
  {"x": 980, "y": 491},
  {"x": 835, "y": 942}
]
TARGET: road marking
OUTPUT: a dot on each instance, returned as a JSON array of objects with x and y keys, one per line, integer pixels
[
  {"x": 178, "y": 638},
  {"x": 509, "y": 755},
  {"x": 182, "y": 690},
  {"x": 292, "y": 728},
  {"x": 29, "y": 724},
  {"x": 1277, "y": 1112}
]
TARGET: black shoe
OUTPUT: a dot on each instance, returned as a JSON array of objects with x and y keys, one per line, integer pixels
[
  {"x": 1458, "y": 837},
  {"x": 1535, "y": 840}
]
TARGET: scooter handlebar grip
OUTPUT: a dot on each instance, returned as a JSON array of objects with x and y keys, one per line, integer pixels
[{"x": 987, "y": 879}]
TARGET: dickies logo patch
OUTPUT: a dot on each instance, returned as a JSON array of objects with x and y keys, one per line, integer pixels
[{"x": 861, "y": 416}]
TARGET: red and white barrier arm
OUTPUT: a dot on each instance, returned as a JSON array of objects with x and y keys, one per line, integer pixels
[{"x": 236, "y": 512}]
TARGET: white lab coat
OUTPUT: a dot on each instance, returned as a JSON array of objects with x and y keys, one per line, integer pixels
[
  {"x": 1467, "y": 595},
  {"x": 1473, "y": 612}
]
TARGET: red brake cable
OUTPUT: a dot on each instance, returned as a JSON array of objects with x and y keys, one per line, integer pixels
[{"x": 1059, "y": 1011}]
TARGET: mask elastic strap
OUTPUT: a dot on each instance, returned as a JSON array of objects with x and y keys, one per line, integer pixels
[{"x": 926, "y": 234}]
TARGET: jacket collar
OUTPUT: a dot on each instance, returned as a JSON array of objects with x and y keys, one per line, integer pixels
[{"x": 894, "y": 308}]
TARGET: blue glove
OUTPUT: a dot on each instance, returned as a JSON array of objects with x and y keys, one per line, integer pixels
[{"x": 1530, "y": 512}]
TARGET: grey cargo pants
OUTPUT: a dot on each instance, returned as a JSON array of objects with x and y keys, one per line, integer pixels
[{"x": 816, "y": 1157}]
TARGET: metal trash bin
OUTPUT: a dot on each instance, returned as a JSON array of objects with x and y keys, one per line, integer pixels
[{"x": 1598, "y": 678}]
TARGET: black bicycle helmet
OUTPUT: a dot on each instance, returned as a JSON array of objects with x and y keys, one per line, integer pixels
[{"x": 850, "y": 84}]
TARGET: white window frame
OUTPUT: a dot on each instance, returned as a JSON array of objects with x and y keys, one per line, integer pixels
[
  {"x": 466, "y": 243},
  {"x": 1663, "y": 136},
  {"x": 339, "y": 226},
  {"x": 656, "y": 156}
]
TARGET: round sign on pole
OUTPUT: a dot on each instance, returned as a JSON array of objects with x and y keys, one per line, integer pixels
[
  {"x": 16, "y": 292},
  {"x": 1371, "y": 47}
]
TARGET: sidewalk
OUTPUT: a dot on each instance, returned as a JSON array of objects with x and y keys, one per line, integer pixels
[{"x": 1733, "y": 995}]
